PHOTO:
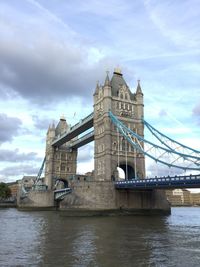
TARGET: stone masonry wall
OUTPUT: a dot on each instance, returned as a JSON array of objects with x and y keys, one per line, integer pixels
[{"x": 103, "y": 196}]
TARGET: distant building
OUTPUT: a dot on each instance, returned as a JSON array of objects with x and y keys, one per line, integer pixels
[
  {"x": 187, "y": 197},
  {"x": 195, "y": 199},
  {"x": 179, "y": 197},
  {"x": 183, "y": 197},
  {"x": 14, "y": 188}
]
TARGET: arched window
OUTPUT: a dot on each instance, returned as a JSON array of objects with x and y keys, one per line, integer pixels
[
  {"x": 62, "y": 167},
  {"x": 63, "y": 156},
  {"x": 126, "y": 96},
  {"x": 121, "y": 96}
]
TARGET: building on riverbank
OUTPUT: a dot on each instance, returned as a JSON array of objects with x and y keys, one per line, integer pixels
[
  {"x": 183, "y": 197},
  {"x": 14, "y": 186}
]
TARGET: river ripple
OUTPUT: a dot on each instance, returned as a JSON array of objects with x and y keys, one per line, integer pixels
[{"x": 51, "y": 239}]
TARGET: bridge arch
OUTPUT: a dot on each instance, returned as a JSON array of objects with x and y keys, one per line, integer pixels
[
  {"x": 127, "y": 168},
  {"x": 128, "y": 171},
  {"x": 64, "y": 182}
]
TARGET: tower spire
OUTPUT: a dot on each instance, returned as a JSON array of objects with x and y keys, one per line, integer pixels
[
  {"x": 107, "y": 80},
  {"x": 97, "y": 88},
  {"x": 139, "y": 90}
]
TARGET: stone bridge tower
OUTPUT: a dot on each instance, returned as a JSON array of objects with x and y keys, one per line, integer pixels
[
  {"x": 61, "y": 162},
  {"x": 111, "y": 150}
]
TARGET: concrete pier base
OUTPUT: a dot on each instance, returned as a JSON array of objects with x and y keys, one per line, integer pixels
[
  {"x": 92, "y": 198},
  {"x": 101, "y": 198},
  {"x": 38, "y": 200}
]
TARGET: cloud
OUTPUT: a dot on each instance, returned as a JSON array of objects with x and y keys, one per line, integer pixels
[
  {"x": 182, "y": 31},
  {"x": 10, "y": 127},
  {"x": 86, "y": 153},
  {"x": 159, "y": 170},
  {"x": 49, "y": 72},
  {"x": 18, "y": 170},
  {"x": 196, "y": 113},
  {"x": 41, "y": 123},
  {"x": 57, "y": 65},
  {"x": 45, "y": 74},
  {"x": 196, "y": 110},
  {"x": 162, "y": 113},
  {"x": 16, "y": 156}
]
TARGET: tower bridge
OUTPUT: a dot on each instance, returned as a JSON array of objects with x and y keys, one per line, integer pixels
[{"x": 117, "y": 128}]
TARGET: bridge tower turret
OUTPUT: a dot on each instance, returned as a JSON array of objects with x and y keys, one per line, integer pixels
[
  {"x": 111, "y": 150},
  {"x": 61, "y": 162}
]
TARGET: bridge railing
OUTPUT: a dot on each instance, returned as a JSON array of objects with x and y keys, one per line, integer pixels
[
  {"x": 59, "y": 194},
  {"x": 191, "y": 181},
  {"x": 84, "y": 120}
]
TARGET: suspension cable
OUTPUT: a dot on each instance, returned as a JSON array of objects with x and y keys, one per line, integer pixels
[
  {"x": 129, "y": 136},
  {"x": 118, "y": 148},
  {"x": 135, "y": 154},
  {"x": 126, "y": 158}
]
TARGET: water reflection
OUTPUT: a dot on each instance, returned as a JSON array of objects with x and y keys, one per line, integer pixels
[
  {"x": 20, "y": 238},
  {"x": 49, "y": 239},
  {"x": 102, "y": 241}
]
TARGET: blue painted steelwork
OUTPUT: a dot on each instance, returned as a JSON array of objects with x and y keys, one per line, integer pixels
[
  {"x": 40, "y": 171},
  {"x": 61, "y": 193},
  {"x": 132, "y": 138},
  {"x": 153, "y": 130},
  {"x": 190, "y": 181},
  {"x": 180, "y": 149}
]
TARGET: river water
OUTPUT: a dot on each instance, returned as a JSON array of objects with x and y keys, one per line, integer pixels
[{"x": 51, "y": 239}]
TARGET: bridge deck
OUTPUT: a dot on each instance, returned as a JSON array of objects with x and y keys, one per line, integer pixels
[
  {"x": 83, "y": 140},
  {"x": 74, "y": 131},
  {"x": 191, "y": 181},
  {"x": 61, "y": 193}
]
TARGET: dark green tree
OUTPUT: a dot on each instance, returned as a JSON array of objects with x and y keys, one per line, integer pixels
[{"x": 5, "y": 191}]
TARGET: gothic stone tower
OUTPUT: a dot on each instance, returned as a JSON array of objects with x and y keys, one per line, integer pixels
[
  {"x": 111, "y": 150},
  {"x": 61, "y": 161}
]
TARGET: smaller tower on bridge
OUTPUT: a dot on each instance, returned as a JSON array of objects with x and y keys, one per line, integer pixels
[
  {"x": 111, "y": 150},
  {"x": 61, "y": 162}
]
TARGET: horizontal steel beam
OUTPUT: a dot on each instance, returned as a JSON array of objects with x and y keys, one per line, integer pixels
[
  {"x": 82, "y": 140},
  {"x": 61, "y": 193},
  {"x": 191, "y": 181},
  {"x": 74, "y": 131}
]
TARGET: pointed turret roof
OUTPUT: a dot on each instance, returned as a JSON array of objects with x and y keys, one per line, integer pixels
[
  {"x": 62, "y": 126},
  {"x": 97, "y": 88},
  {"x": 107, "y": 80},
  {"x": 139, "y": 90},
  {"x": 117, "y": 81}
]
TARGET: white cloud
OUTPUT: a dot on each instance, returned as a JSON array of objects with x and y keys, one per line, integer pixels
[{"x": 181, "y": 30}]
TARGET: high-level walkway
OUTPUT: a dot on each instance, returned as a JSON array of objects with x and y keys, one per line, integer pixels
[{"x": 76, "y": 130}]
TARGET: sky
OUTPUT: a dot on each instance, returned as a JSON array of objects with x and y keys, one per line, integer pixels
[{"x": 53, "y": 52}]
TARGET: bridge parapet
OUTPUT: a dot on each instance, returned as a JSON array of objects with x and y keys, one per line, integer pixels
[
  {"x": 61, "y": 193},
  {"x": 188, "y": 181}
]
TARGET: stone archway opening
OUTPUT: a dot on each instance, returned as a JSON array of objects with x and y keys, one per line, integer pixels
[
  {"x": 61, "y": 183},
  {"x": 121, "y": 173},
  {"x": 126, "y": 172}
]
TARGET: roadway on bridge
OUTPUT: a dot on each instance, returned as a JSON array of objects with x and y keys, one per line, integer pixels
[{"x": 190, "y": 181}]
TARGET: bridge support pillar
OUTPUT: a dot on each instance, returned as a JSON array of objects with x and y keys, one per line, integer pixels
[
  {"x": 111, "y": 150},
  {"x": 61, "y": 162}
]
